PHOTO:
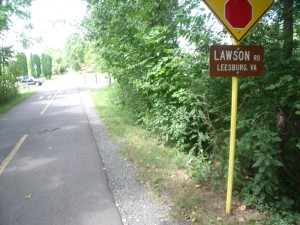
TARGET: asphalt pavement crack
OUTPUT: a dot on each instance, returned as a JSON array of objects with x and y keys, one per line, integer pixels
[{"x": 48, "y": 130}]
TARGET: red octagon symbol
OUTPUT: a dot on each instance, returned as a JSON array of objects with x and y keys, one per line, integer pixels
[{"x": 238, "y": 13}]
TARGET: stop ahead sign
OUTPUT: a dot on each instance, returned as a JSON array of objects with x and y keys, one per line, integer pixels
[
  {"x": 239, "y": 16},
  {"x": 238, "y": 13}
]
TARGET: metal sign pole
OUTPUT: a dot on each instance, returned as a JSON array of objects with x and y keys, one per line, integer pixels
[
  {"x": 238, "y": 23},
  {"x": 235, "y": 83}
]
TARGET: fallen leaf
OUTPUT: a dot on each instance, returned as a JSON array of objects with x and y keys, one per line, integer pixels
[
  {"x": 28, "y": 196},
  {"x": 242, "y": 207},
  {"x": 216, "y": 164},
  {"x": 219, "y": 218}
]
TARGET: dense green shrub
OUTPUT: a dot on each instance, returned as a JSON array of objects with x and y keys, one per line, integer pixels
[
  {"x": 8, "y": 88},
  {"x": 171, "y": 92}
]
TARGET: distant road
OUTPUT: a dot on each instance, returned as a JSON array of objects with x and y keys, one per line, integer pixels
[{"x": 51, "y": 172}]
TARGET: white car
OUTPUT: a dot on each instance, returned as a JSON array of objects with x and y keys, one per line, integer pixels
[{"x": 30, "y": 80}]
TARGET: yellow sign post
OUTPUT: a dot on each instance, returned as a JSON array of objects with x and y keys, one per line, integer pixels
[
  {"x": 234, "y": 100},
  {"x": 239, "y": 17}
]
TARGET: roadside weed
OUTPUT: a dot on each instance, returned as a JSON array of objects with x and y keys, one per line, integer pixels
[
  {"x": 193, "y": 187},
  {"x": 6, "y": 107}
]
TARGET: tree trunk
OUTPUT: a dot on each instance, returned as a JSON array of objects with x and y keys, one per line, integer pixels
[
  {"x": 288, "y": 45},
  {"x": 288, "y": 30}
]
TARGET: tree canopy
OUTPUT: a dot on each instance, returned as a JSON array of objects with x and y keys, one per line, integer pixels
[{"x": 74, "y": 51}]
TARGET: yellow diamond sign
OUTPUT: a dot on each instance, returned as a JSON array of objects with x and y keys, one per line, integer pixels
[{"x": 239, "y": 16}]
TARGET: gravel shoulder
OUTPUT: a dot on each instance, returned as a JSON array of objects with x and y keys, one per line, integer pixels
[{"x": 132, "y": 198}]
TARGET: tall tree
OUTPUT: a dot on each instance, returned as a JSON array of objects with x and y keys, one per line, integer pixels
[
  {"x": 288, "y": 28},
  {"x": 46, "y": 62},
  {"x": 74, "y": 52},
  {"x": 35, "y": 65},
  {"x": 22, "y": 67},
  {"x": 57, "y": 59},
  {"x": 37, "y": 61},
  {"x": 31, "y": 65}
]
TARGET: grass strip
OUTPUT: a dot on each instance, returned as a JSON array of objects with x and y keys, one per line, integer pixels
[
  {"x": 164, "y": 169},
  {"x": 8, "y": 106}
]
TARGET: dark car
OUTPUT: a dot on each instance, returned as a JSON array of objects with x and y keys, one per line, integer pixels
[{"x": 30, "y": 80}]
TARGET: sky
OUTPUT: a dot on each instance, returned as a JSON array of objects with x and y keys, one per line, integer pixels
[{"x": 52, "y": 20}]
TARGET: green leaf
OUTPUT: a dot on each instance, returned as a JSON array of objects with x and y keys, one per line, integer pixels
[
  {"x": 259, "y": 161},
  {"x": 275, "y": 162},
  {"x": 258, "y": 177},
  {"x": 192, "y": 113},
  {"x": 201, "y": 113},
  {"x": 271, "y": 87},
  {"x": 269, "y": 189},
  {"x": 262, "y": 169},
  {"x": 269, "y": 173},
  {"x": 29, "y": 196}
]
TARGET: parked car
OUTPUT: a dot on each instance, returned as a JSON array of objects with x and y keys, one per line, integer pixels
[{"x": 30, "y": 80}]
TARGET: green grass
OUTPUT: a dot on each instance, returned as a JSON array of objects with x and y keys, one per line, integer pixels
[
  {"x": 110, "y": 113},
  {"x": 163, "y": 168},
  {"x": 139, "y": 145},
  {"x": 6, "y": 107}
]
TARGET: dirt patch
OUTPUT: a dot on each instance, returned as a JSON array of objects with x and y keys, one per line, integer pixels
[{"x": 200, "y": 203}]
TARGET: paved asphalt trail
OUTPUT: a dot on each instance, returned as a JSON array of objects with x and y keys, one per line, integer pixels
[{"x": 56, "y": 177}]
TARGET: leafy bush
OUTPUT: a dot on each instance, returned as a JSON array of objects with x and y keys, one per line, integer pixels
[
  {"x": 171, "y": 92},
  {"x": 8, "y": 89}
]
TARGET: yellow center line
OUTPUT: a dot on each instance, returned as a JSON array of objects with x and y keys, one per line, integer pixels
[
  {"x": 46, "y": 107},
  {"x": 13, "y": 152}
]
